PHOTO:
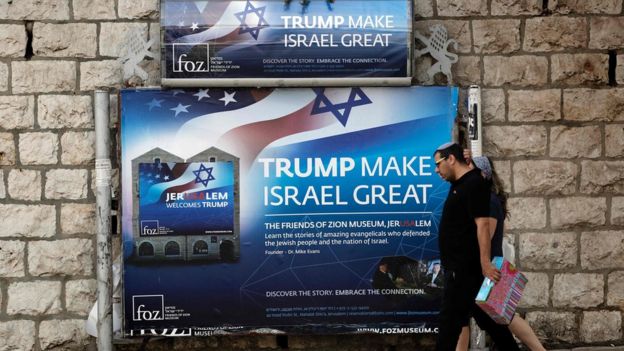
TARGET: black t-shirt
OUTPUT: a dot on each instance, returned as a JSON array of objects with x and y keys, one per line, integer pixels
[
  {"x": 496, "y": 211},
  {"x": 468, "y": 198}
]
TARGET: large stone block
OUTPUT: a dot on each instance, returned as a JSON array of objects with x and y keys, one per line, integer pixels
[
  {"x": 606, "y": 32},
  {"x": 65, "y": 111},
  {"x": 602, "y": 177},
  {"x": 78, "y": 148},
  {"x": 526, "y": 213},
  {"x": 503, "y": 169},
  {"x": 518, "y": 70},
  {"x": 580, "y": 69},
  {"x": 602, "y": 249},
  {"x": 457, "y": 29},
  {"x": 455, "y": 8},
  {"x": 544, "y": 177},
  {"x": 12, "y": 40},
  {"x": 7, "y": 149},
  {"x": 601, "y": 326},
  {"x": 38, "y": 148},
  {"x": 68, "y": 257},
  {"x": 43, "y": 76},
  {"x": 534, "y": 105},
  {"x": 423, "y": 8},
  {"x": 4, "y": 77},
  {"x": 112, "y": 36},
  {"x": 93, "y": 9},
  {"x": 100, "y": 74},
  {"x": 138, "y": 9},
  {"x": 18, "y": 335},
  {"x": 593, "y": 104},
  {"x": 66, "y": 334},
  {"x": 615, "y": 289},
  {"x": 619, "y": 69},
  {"x": 24, "y": 184},
  {"x": 575, "y": 142},
  {"x": 12, "y": 258},
  {"x": 17, "y": 112},
  {"x": 35, "y": 10},
  {"x": 554, "y": 327},
  {"x": 581, "y": 290},
  {"x": 548, "y": 250},
  {"x": 80, "y": 295},
  {"x": 77, "y": 219},
  {"x": 554, "y": 33},
  {"x": 493, "y": 101},
  {"x": 65, "y": 40},
  {"x": 66, "y": 184},
  {"x": 18, "y": 221},
  {"x": 568, "y": 212},
  {"x": 614, "y": 140},
  {"x": 2, "y": 189},
  {"x": 496, "y": 36},
  {"x": 536, "y": 292},
  {"x": 565, "y": 7},
  {"x": 516, "y": 7},
  {"x": 506, "y": 141},
  {"x": 617, "y": 210},
  {"x": 34, "y": 298},
  {"x": 467, "y": 71}
]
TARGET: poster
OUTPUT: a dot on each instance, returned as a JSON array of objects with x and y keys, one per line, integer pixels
[
  {"x": 301, "y": 210},
  {"x": 277, "y": 43}
]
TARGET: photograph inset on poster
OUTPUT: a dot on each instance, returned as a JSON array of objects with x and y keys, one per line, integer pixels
[{"x": 309, "y": 210}]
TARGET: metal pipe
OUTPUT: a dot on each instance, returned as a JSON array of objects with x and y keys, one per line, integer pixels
[{"x": 103, "y": 225}]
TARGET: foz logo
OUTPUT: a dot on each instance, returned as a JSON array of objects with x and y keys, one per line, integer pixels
[
  {"x": 190, "y": 57},
  {"x": 149, "y": 227},
  {"x": 148, "y": 307}
]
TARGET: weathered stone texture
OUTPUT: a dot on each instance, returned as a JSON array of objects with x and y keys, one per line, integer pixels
[
  {"x": 78, "y": 219},
  {"x": 12, "y": 258},
  {"x": 536, "y": 291},
  {"x": 69, "y": 334},
  {"x": 569, "y": 212},
  {"x": 7, "y": 149},
  {"x": 575, "y": 142},
  {"x": 554, "y": 33},
  {"x": 515, "y": 140},
  {"x": 577, "y": 290},
  {"x": 66, "y": 184},
  {"x": 601, "y": 326},
  {"x": 602, "y": 249},
  {"x": 18, "y": 335},
  {"x": 97, "y": 74},
  {"x": 65, "y": 40},
  {"x": 548, "y": 250},
  {"x": 496, "y": 36},
  {"x": 17, "y": 112},
  {"x": 602, "y": 177},
  {"x": 112, "y": 37},
  {"x": 580, "y": 69},
  {"x": 593, "y": 104},
  {"x": 503, "y": 169},
  {"x": 457, "y": 29},
  {"x": 34, "y": 10},
  {"x": 78, "y": 148},
  {"x": 493, "y": 105},
  {"x": 544, "y": 177},
  {"x": 615, "y": 294},
  {"x": 65, "y": 111},
  {"x": 138, "y": 9},
  {"x": 526, "y": 213},
  {"x": 619, "y": 69},
  {"x": 80, "y": 295},
  {"x": 4, "y": 77},
  {"x": 534, "y": 105},
  {"x": 68, "y": 257},
  {"x": 454, "y": 8},
  {"x": 614, "y": 140},
  {"x": 43, "y": 76},
  {"x": 516, "y": 7},
  {"x": 93, "y": 9},
  {"x": 617, "y": 210},
  {"x": 606, "y": 32},
  {"x": 582, "y": 6},
  {"x": 554, "y": 327},
  {"x": 515, "y": 70},
  {"x": 467, "y": 70},
  {"x": 34, "y": 298},
  {"x": 18, "y": 221},
  {"x": 423, "y": 8},
  {"x": 12, "y": 40},
  {"x": 38, "y": 148},
  {"x": 2, "y": 189},
  {"x": 24, "y": 184}
]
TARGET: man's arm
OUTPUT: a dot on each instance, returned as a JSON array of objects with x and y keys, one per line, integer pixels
[{"x": 483, "y": 235}]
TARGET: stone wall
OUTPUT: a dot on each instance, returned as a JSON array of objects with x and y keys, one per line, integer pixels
[{"x": 554, "y": 123}]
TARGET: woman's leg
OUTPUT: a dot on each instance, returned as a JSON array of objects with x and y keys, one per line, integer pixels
[
  {"x": 521, "y": 329},
  {"x": 464, "y": 339}
]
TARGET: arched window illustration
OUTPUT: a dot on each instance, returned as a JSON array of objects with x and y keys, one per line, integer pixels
[
  {"x": 200, "y": 248},
  {"x": 172, "y": 248},
  {"x": 146, "y": 249}
]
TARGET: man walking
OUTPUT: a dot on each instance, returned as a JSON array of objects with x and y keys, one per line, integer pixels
[{"x": 465, "y": 250}]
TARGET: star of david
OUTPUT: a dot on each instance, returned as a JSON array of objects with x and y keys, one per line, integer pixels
[
  {"x": 340, "y": 110},
  {"x": 242, "y": 16},
  {"x": 199, "y": 171}
]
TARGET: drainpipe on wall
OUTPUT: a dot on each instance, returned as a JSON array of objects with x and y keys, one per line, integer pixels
[{"x": 103, "y": 225}]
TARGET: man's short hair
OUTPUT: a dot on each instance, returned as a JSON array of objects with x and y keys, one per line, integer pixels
[{"x": 447, "y": 149}]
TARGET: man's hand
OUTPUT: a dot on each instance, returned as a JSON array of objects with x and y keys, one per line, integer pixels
[{"x": 489, "y": 271}]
